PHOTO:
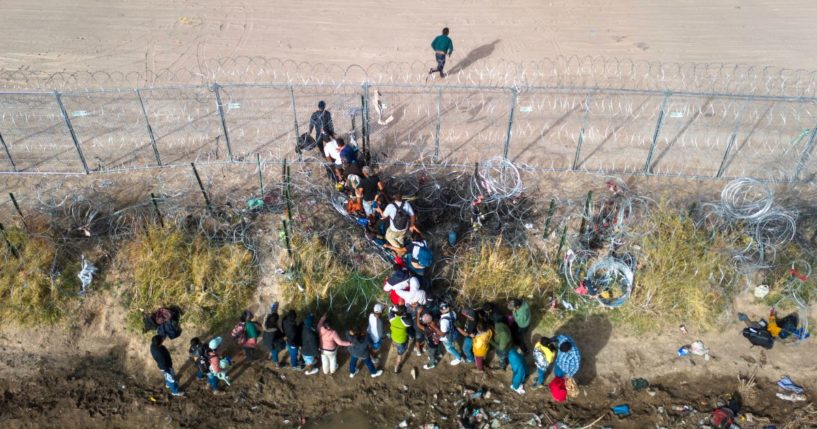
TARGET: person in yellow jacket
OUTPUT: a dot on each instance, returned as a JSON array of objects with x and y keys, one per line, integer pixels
[
  {"x": 544, "y": 352},
  {"x": 482, "y": 343}
]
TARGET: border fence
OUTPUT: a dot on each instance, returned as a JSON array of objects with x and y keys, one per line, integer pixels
[{"x": 603, "y": 116}]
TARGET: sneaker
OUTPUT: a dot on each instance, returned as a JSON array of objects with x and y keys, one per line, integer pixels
[
  {"x": 455, "y": 362},
  {"x": 352, "y": 374},
  {"x": 217, "y": 392},
  {"x": 520, "y": 390},
  {"x": 177, "y": 394},
  {"x": 538, "y": 386},
  {"x": 429, "y": 366},
  {"x": 417, "y": 352},
  {"x": 377, "y": 374},
  {"x": 312, "y": 371}
]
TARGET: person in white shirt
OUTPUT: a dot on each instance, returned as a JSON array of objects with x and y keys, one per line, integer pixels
[
  {"x": 401, "y": 219},
  {"x": 331, "y": 150},
  {"x": 375, "y": 330},
  {"x": 407, "y": 290}
]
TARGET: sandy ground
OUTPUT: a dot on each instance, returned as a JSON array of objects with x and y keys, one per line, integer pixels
[{"x": 130, "y": 36}]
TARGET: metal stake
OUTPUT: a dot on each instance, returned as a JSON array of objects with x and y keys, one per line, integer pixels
[
  {"x": 8, "y": 154},
  {"x": 295, "y": 120},
  {"x": 647, "y": 164},
  {"x": 581, "y": 131},
  {"x": 551, "y": 210},
  {"x": 19, "y": 212},
  {"x": 804, "y": 156},
  {"x": 732, "y": 137},
  {"x": 201, "y": 187},
  {"x": 67, "y": 120},
  {"x": 216, "y": 89},
  {"x": 156, "y": 207},
  {"x": 150, "y": 129},
  {"x": 439, "y": 120},
  {"x": 514, "y": 93},
  {"x": 260, "y": 174}
]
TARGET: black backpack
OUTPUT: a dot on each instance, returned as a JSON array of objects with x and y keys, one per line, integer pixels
[
  {"x": 170, "y": 329},
  {"x": 759, "y": 337},
  {"x": 401, "y": 218},
  {"x": 201, "y": 353}
]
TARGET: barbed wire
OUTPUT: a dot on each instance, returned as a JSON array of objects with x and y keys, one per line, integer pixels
[{"x": 559, "y": 71}]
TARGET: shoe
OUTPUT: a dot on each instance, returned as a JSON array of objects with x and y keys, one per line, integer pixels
[
  {"x": 312, "y": 371},
  {"x": 295, "y": 368},
  {"x": 396, "y": 369},
  {"x": 352, "y": 374},
  {"x": 520, "y": 390},
  {"x": 429, "y": 366},
  {"x": 377, "y": 374},
  {"x": 177, "y": 394},
  {"x": 538, "y": 386},
  {"x": 455, "y": 362},
  {"x": 217, "y": 392},
  {"x": 417, "y": 352}
]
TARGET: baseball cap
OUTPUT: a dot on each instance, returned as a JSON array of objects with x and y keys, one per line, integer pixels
[
  {"x": 444, "y": 306},
  {"x": 378, "y": 308}
]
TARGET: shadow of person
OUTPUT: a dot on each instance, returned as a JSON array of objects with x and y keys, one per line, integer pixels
[
  {"x": 591, "y": 334},
  {"x": 475, "y": 55}
]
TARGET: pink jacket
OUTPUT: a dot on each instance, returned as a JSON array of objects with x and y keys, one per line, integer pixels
[{"x": 330, "y": 340}]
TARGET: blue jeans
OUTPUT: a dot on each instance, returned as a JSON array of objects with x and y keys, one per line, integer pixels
[
  {"x": 293, "y": 355},
  {"x": 502, "y": 358},
  {"x": 212, "y": 380},
  {"x": 170, "y": 380},
  {"x": 368, "y": 362},
  {"x": 200, "y": 375},
  {"x": 540, "y": 375},
  {"x": 451, "y": 347},
  {"x": 440, "y": 63},
  {"x": 468, "y": 349}
]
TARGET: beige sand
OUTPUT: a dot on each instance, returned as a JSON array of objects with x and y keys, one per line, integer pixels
[{"x": 128, "y": 36}]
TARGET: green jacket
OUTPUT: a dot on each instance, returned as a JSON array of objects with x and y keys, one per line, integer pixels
[
  {"x": 502, "y": 337},
  {"x": 522, "y": 315},
  {"x": 443, "y": 44}
]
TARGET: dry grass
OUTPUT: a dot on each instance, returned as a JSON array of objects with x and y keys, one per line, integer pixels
[
  {"x": 167, "y": 266},
  {"x": 39, "y": 286},
  {"x": 318, "y": 282},
  {"x": 684, "y": 276},
  {"x": 497, "y": 272}
]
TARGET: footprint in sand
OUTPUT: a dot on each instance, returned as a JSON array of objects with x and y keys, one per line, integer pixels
[{"x": 643, "y": 46}]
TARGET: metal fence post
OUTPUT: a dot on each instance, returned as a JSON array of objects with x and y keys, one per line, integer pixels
[
  {"x": 367, "y": 141},
  {"x": 260, "y": 173},
  {"x": 201, "y": 187},
  {"x": 804, "y": 156},
  {"x": 216, "y": 89},
  {"x": 647, "y": 164},
  {"x": 8, "y": 154},
  {"x": 158, "y": 212},
  {"x": 514, "y": 94},
  {"x": 19, "y": 212},
  {"x": 67, "y": 120},
  {"x": 581, "y": 131},
  {"x": 150, "y": 129},
  {"x": 439, "y": 120},
  {"x": 295, "y": 119},
  {"x": 732, "y": 137}
]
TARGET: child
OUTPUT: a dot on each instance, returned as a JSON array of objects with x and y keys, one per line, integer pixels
[{"x": 543, "y": 354}]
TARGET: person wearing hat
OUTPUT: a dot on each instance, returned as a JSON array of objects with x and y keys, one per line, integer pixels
[
  {"x": 214, "y": 360},
  {"x": 368, "y": 192},
  {"x": 321, "y": 122},
  {"x": 449, "y": 333},
  {"x": 468, "y": 331},
  {"x": 165, "y": 363},
  {"x": 375, "y": 330}
]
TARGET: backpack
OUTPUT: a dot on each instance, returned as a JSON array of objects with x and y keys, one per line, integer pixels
[
  {"x": 759, "y": 337},
  {"x": 170, "y": 329},
  {"x": 201, "y": 355},
  {"x": 398, "y": 276},
  {"x": 452, "y": 333},
  {"x": 722, "y": 418},
  {"x": 401, "y": 218}
]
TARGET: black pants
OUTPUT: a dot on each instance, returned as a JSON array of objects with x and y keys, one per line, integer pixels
[{"x": 519, "y": 338}]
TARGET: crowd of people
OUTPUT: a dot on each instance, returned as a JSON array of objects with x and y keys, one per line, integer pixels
[{"x": 470, "y": 336}]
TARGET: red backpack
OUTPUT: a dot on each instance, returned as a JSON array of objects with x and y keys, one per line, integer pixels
[{"x": 723, "y": 418}]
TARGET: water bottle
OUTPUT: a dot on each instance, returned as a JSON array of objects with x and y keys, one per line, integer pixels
[{"x": 452, "y": 237}]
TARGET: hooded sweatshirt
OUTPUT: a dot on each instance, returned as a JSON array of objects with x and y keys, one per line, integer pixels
[
  {"x": 309, "y": 338},
  {"x": 359, "y": 346},
  {"x": 291, "y": 330}
]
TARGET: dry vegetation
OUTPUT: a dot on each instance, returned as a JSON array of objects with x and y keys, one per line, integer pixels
[
  {"x": 167, "y": 266},
  {"x": 37, "y": 282}
]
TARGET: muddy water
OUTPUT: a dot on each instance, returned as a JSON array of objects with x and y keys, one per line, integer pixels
[{"x": 351, "y": 418}]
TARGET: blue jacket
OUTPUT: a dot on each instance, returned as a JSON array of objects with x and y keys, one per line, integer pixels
[
  {"x": 516, "y": 360},
  {"x": 571, "y": 361}
]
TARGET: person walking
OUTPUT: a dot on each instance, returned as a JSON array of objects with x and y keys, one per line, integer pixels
[
  {"x": 375, "y": 331},
  {"x": 568, "y": 358},
  {"x": 292, "y": 334},
  {"x": 520, "y": 371},
  {"x": 330, "y": 341},
  {"x": 431, "y": 333},
  {"x": 449, "y": 333},
  {"x": 245, "y": 333},
  {"x": 442, "y": 46},
  {"x": 468, "y": 331},
  {"x": 399, "y": 324},
  {"x": 215, "y": 370},
  {"x": 501, "y": 341},
  {"x": 521, "y": 318},
  {"x": 272, "y": 337},
  {"x": 482, "y": 343},
  {"x": 367, "y": 193},
  {"x": 165, "y": 363},
  {"x": 401, "y": 218},
  {"x": 310, "y": 345},
  {"x": 359, "y": 350},
  {"x": 198, "y": 354},
  {"x": 321, "y": 122},
  {"x": 544, "y": 352}
]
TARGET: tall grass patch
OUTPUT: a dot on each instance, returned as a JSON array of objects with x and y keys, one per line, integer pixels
[
  {"x": 38, "y": 283},
  {"x": 684, "y": 275},
  {"x": 166, "y": 266}
]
